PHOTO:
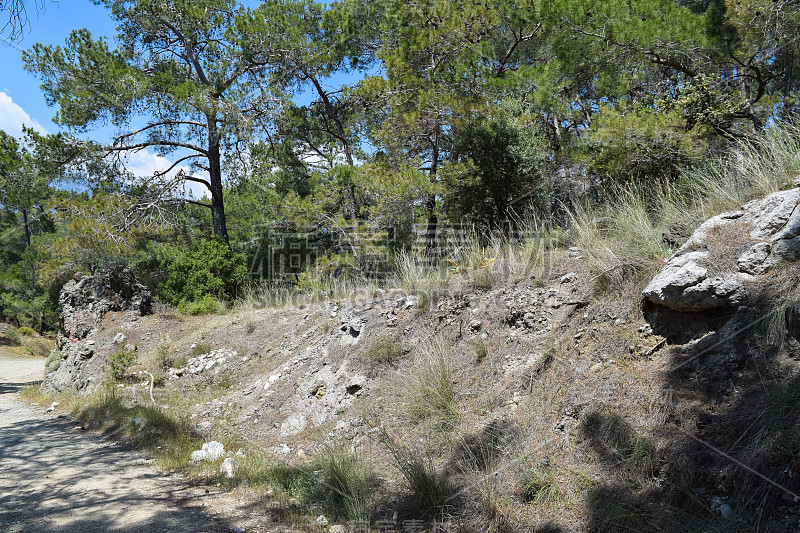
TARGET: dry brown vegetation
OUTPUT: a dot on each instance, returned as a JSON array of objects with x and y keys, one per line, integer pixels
[{"x": 544, "y": 417}]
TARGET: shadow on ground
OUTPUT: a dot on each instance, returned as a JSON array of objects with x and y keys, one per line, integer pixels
[
  {"x": 731, "y": 460},
  {"x": 56, "y": 477}
]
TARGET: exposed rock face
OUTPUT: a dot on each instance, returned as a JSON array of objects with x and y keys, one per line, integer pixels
[
  {"x": 81, "y": 306},
  {"x": 726, "y": 254}
]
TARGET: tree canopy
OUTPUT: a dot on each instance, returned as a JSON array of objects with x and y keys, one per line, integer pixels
[{"x": 365, "y": 127}]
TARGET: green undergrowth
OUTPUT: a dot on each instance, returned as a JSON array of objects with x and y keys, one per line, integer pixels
[{"x": 25, "y": 342}]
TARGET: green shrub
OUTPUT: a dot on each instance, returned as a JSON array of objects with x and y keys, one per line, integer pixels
[
  {"x": 164, "y": 359},
  {"x": 206, "y": 305},
  {"x": 208, "y": 269},
  {"x": 384, "y": 349},
  {"x": 159, "y": 378},
  {"x": 117, "y": 363},
  {"x": 25, "y": 331},
  {"x": 200, "y": 349},
  {"x": 53, "y": 362},
  {"x": 12, "y": 334}
]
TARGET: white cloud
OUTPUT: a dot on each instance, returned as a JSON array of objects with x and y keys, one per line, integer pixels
[
  {"x": 12, "y": 117},
  {"x": 144, "y": 164}
]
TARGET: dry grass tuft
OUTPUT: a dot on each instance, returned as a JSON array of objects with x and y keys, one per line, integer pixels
[{"x": 428, "y": 396}]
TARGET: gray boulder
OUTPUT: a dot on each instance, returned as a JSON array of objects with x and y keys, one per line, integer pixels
[
  {"x": 700, "y": 275},
  {"x": 82, "y": 304}
]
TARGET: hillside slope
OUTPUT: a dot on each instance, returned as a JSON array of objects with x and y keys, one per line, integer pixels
[{"x": 540, "y": 405}]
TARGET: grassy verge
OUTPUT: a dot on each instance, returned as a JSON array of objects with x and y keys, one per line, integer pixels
[
  {"x": 336, "y": 478},
  {"x": 624, "y": 238}
]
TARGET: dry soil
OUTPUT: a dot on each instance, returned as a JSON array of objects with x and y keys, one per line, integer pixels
[{"x": 55, "y": 477}]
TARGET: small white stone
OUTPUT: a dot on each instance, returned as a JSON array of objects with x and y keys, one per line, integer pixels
[
  {"x": 199, "y": 455},
  {"x": 211, "y": 452},
  {"x": 229, "y": 467}
]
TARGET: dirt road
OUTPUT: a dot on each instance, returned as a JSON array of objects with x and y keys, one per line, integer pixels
[{"x": 54, "y": 477}]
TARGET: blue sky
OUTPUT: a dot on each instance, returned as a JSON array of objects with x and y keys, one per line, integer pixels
[{"x": 22, "y": 100}]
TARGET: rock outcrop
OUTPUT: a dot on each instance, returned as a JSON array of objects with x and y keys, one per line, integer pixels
[
  {"x": 82, "y": 304},
  {"x": 720, "y": 263}
]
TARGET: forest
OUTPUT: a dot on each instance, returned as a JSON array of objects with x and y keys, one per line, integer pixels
[{"x": 337, "y": 142}]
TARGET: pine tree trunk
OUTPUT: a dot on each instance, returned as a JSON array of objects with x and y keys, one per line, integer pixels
[
  {"x": 431, "y": 246},
  {"x": 215, "y": 180}
]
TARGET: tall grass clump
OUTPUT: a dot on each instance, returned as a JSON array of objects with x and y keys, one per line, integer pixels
[
  {"x": 347, "y": 479},
  {"x": 536, "y": 480},
  {"x": 622, "y": 238},
  {"x": 766, "y": 163},
  {"x": 429, "y": 488},
  {"x": 776, "y": 305},
  {"x": 418, "y": 276},
  {"x": 429, "y": 395},
  {"x": 526, "y": 251}
]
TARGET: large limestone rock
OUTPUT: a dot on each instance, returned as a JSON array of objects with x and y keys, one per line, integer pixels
[
  {"x": 81, "y": 306},
  {"x": 727, "y": 254}
]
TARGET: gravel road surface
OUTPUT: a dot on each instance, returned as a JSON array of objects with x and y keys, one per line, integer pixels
[{"x": 55, "y": 477}]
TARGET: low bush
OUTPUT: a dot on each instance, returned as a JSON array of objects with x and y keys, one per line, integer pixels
[
  {"x": 159, "y": 378},
  {"x": 384, "y": 349},
  {"x": 164, "y": 358},
  {"x": 25, "y": 331},
  {"x": 200, "y": 349},
  {"x": 12, "y": 334},
  {"x": 117, "y": 363},
  {"x": 481, "y": 350},
  {"x": 53, "y": 362},
  {"x": 205, "y": 305}
]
